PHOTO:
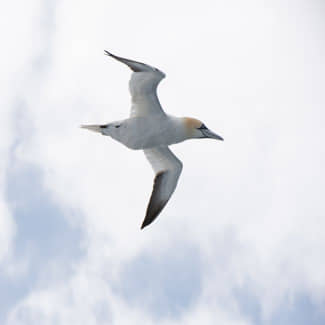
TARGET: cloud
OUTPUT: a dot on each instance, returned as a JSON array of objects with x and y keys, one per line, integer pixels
[
  {"x": 178, "y": 267},
  {"x": 241, "y": 240}
]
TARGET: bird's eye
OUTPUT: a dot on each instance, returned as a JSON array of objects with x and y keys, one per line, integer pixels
[{"x": 202, "y": 127}]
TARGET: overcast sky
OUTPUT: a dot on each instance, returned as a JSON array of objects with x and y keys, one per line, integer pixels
[{"x": 242, "y": 240}]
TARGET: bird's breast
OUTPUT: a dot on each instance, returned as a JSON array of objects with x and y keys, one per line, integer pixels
[{"x": 147, "y": 132}]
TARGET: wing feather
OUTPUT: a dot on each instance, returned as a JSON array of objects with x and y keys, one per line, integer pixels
[
  {"x": 168, "y": 169},
  {"x": 143, "y": 87}
]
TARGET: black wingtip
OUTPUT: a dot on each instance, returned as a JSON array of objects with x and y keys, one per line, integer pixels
[
  {"x": 145, "y": 224},
  {"x": 108, "y": 53}
]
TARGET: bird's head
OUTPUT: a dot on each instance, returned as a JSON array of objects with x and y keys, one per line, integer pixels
[{"x": 196, "y": 129}]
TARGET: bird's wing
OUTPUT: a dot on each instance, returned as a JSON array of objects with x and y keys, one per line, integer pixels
[
  {"x": 143, "y": 87},
  {"x": 167, "y": 168}
]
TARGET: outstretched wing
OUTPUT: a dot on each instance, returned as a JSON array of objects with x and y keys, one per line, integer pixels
[
  {"x": 143, "y": 87},
  {"x": 168, "y": 169}
]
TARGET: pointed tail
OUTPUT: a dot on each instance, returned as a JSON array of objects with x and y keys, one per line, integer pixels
[{"x": 93, "y": 127}]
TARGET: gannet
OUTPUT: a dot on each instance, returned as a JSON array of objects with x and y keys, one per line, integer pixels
[{"x": 150, "y": 129}]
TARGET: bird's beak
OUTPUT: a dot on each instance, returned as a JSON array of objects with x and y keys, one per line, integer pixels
[
  {"x": 94, "y": 128},
  {"x": 209, "y": 134}
]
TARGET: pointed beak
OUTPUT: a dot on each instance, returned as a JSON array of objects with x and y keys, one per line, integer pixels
[
  {"x": 211, "y": 135},
  {"x": 94, "y": 128}
]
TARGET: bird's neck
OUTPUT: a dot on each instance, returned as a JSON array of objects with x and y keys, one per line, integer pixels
[{"x": 182, "y": 128}]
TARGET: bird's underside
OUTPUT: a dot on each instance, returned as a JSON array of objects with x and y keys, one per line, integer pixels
[
  {"x": 150, "y": 129},
  {"x": 145, "y": 102}
]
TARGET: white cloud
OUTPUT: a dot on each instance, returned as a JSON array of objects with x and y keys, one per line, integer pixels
[
  {"x": 17, "y": 52},
  {"x": 251, "y": 206}
]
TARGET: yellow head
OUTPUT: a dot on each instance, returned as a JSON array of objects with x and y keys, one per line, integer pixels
[{"x": 195, "y": 129}]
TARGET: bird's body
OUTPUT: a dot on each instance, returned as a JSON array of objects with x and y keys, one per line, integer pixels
[
  {"x": 143, "y": 132},
  {"x": 150, "y": 129}
]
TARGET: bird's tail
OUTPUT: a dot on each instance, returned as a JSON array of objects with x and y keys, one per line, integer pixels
[{"x": 93, "y": 127}]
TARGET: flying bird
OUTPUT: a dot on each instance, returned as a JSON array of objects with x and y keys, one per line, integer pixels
[{"x": 150, "y": 129}]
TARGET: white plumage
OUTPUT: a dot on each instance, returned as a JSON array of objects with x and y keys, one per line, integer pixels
[{"x": 150, "y": 129}]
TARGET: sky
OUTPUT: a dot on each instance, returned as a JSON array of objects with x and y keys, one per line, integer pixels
[{"x": 241, "y": 242}]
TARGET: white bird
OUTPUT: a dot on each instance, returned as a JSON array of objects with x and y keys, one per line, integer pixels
[{"x": 150, "y": 129}]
